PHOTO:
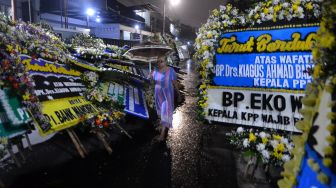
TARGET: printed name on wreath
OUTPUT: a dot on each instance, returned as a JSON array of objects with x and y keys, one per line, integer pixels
[{"x": 264, "y": 43}]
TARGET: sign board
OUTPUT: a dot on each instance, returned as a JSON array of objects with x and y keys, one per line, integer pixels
[
  {"x": 274, "y": 58},
  {"x": 66, "y": 112},
  {"x": 53, "y": 81},
  {"x": 269, "y": 109},
  {"x": 59, "y": 89},
  {"x": 134, "y": 99},
  {"x": 12, "y": 116}
]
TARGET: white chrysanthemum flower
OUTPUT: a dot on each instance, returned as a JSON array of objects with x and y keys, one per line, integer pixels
[
  {"x": 222, "y": 8},
  {"x": 206, "y": 54},
  {"x": 285, "y": 158},
  {"x": 210, "y": 65},
  {"x": 284, "y": 140},
  {"x": 259, "y": 21},
  {"x": 300, "y": 9},
  {"x": 261, "y": 147},
  {"x": 275, "y": 2},
  {"x": 285, "y": 5},
  {"x": 234, "y": 12},
  {"x": 251, "y": 13},
  {"x": 256, "y": 8},
  {"x": 226, "y": 17},
  {"x": 281, "y": 15},
  {"x": 317, "y": 13},
  {"x": 290, "y": 146},
  {"x": 274, "y": 143},
  {"x": 269, "y": 17},
  {"x": 262, "y": 15},
  {"x": 240, "y": 130},
  {"x": 289, "y": 17},
  {"x": 242, "y": 20},
  {"x": 262, "y": 134},
  {"x": 246, "y": 143},
  {"x": 265, "y": 154}
]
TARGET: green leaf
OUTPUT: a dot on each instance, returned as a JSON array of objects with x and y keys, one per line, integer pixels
[{"x": 249, "y": 153}]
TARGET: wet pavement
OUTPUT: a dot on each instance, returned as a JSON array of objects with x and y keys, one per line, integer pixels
[{"x": 195, "y": 155}]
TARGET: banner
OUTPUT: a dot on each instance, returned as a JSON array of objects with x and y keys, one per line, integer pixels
[
  {"x": 12, "y": 116},
  {"x": 275, "y": 58},
  {"x": 67, "y": 112},
  {"x": 278, "y": 110},
  {"x": 53, "y": 81},
  {"x": 134, "y": 99},
  {"x": 131, "y": 69}
]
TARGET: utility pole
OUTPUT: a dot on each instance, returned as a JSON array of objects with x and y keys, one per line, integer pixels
[
  {"x": 164, "y": 17},
  {"x": 29, "y": 7},
  {"x": 13, "y": 3},
  {"x": 61, "y": 8}
]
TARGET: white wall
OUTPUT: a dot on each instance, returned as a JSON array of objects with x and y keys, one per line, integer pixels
[{"x": 110, "y": 31}]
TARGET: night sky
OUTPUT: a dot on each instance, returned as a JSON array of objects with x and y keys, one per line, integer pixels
[{"x": 190, "y": 12}]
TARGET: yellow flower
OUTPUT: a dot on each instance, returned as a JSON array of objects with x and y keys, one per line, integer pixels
[
  {"x": 252, "y": 137},
  {"x": 277, "y": 137},
  {"x": 330, "y": 139},
  {"x": 203, "y": 86},
  {"x": 209, "y": 35},
  {"x": 274, "y": 17},
  {"x": 204, "y": 105},
  {"x": 264, "y": 140},
  {"x": 26, "y": 96},
  {"x": 295, "y": 7},
  {"x": 327, "y": 40},
  {"x": 228, "y": 7},
  {"x": 277, "y": 8},
  {"x": 9, "y": 48},
  {"x": 215, "y": 12},
  {"x": 256, "y": 16},
  {"x": 277, "y": 154},
  {"x": 266, "y": 11},
  {"x": 309, "y": 6},
  {"x": 280, "y": 147},
  {"x": 328, "y": 150},
  {"x": 317, "y": 70},
  {"x": 205, "y": 47},
  {"x": 331, "y": 127},
  {"x": 323, "y": 178},
  {"x": 327, "y": 162}
]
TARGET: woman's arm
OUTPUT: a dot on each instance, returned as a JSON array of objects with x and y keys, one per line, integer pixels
[{"x": 150, "y": 75}]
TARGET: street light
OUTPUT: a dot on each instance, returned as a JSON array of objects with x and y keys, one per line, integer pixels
[
  {"x": 89, "y": 12},
  {"x": 173, "y": 3},
  {"x": 98, "y": 20}
]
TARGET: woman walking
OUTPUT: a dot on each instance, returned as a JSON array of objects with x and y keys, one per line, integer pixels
[{"x": 165, "y": 82}]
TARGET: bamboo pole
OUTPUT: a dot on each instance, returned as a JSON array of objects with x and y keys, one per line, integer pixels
[
  {"x": 75, "y": 142},
  {"x": 11, "y": 153},
  {"x": 28, "y": 141},
  {"x": 79, "y": 142},
  {"x": 124, "y": 131},
  {"x": 101, "y": 137},
  {"x": 20, "y": 148}
]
